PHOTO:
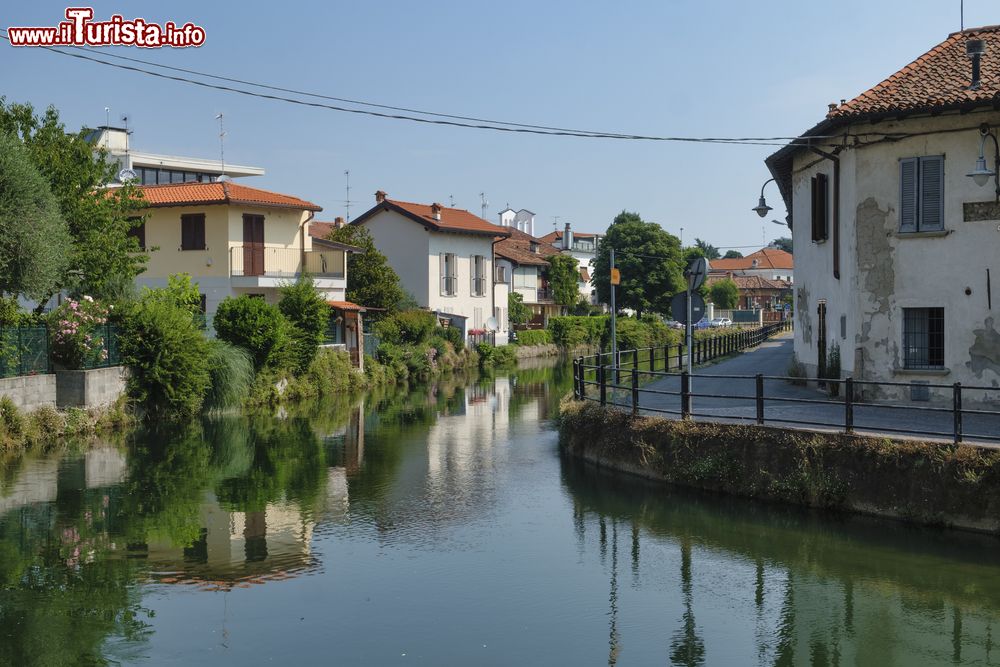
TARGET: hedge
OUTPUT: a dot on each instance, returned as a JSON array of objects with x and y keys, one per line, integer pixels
[{"x": 534, "y": 337}]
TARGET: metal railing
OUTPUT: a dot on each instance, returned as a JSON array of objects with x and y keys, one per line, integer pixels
[
  {"x": 543, "y": 294},
  {"x": 449, "y": 285},
  {"x": 249, "y": 261},
  {"x": 851, "y": 406},
  {"x": 106, "y": 353}
]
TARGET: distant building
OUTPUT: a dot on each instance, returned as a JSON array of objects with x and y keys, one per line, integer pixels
[
  {"x": 522, "y": 263},
  {"x": 582, "y": 246},
  {"x": 155, "y": 169},
  {"x": 768, "y": 263}
]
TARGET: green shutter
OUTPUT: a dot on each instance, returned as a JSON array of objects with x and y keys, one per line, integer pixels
[
  {"x": 908, "y": 194},
  {"x": 931, "y": 193}
]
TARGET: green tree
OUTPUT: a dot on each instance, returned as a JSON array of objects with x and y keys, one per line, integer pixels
[
  {"x": 649, "y": 259},
  {"x": 371, "y": 281},
  {"x": 99, "y": 218},
  {"x": 732, "y": 254},
  {"x": 709, "y": 250},
  {"x": 563, "y": 278},
  {"x": 784, "y": 243},
  {"x": 308, "y": 313},
  {"x": 256, "y": 326},
  {"x": 180, "y": 292},
  {"x": 725, "y": 294},
  {"x": 517, "y": 312},
  {"x": 34, "y": 238}
]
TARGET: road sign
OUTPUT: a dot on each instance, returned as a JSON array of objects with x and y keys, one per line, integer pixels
[
  {"x": 678, "y": 307},
  {"x": 696, "y": 272},
  {"x": 616, "y": 277}
]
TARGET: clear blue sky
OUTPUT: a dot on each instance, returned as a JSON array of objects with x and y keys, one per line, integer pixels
[{"x": 678, "y": 67}]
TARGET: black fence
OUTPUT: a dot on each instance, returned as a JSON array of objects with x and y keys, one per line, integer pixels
[
  {"x": 645, "y": 382},
  {"x": 24, "y": 351},
  {"x": 105, "y": 353}
]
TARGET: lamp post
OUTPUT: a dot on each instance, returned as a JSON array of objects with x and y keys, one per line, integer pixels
[
  {"x": 762, "y": 208},
  {"x": 982, "y": 174}
]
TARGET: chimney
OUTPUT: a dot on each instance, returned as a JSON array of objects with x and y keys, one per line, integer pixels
[
  {"x": 380, "y": 197},
  {"x": 974, "y": 49},
  {"x": 436, "y": 211},
  {"x": 338, "y": 222},
  {"x": 567, "y": 239}
]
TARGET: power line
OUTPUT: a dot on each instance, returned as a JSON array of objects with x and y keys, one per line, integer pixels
[{"x": 441, "y": 119}]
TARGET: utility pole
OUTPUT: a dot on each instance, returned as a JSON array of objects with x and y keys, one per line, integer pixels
[
  {"x": 614, "y": 328},
  {"x": 682, "y": 237}
]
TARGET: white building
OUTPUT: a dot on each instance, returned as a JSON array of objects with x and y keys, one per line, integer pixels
[
  {"x": 768, "y": 263},
  {"x": 582, "y": 246},
  {"x": 155, "y": 169},
  {"x": 522, "y": 263},
  {"x": 896, "y": 247},
  {"x": 444, "y": 259}
]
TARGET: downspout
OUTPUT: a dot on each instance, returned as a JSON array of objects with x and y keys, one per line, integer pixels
[
  {"x": 836, "y": 207},
  {"x": 302, "y": 242},
  {"x": 493, "y": 286}
]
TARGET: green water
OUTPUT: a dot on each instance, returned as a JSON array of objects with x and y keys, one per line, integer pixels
[{"x": 439, "y": 526}]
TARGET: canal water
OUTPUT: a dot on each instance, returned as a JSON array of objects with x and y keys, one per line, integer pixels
[{"x": 439, "y": 526}]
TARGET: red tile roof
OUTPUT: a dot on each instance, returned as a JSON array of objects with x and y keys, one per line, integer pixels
[
  {"x": 767, "y": 258},
  {"x": 517, "y": 248},
  {"x": 750, "y": 282},
  {"x": 321, "y": 230},
  {"x": 226, "y": 192},
  {"x": 937, "y": 80},
  {"x": 345, "y": 305},
  {"x": 452, "y": 219},
  {"x": 556, "y": 237}
]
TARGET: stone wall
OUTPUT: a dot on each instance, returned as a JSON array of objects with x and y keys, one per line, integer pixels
[
  {"x": 30, "y": 392},
  {"x": 94, "y": 388}
]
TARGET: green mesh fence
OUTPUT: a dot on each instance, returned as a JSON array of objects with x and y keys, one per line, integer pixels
[{"x": 24, "y": 351}]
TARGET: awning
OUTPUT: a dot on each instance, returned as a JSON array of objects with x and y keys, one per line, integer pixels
[{"x": 346, "y": 306}]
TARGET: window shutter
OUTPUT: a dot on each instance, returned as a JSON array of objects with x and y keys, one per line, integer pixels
[
  {"x": 908, "y": 194},
  {"x": 472, "y": 275},
  {"x": 199, "y": 226},
  {"x": 931, "y": 193},
  {"x": 441, "y": 273},
  {"x": 823, "y": 206},
  {"x": 185, "y": 232}
]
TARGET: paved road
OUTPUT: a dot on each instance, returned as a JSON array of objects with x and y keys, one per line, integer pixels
[{"x": 732, "y": 400}]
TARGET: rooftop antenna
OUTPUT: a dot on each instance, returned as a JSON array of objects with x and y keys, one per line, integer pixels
[
  {"x": 555, "y": 222},
  {"x": 451, "y": 201},
  {"x": 961, "y": 12},
  {"x": 347, "y": 202},
  {"x": 107, "y": 125},
  {"x": 482, "y": 197},
  {"x": 222, "y": 146},
  {"x": 126, "y": 173}
]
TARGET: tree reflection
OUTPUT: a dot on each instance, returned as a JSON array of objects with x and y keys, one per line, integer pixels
[{"x": 687, "y": 648}]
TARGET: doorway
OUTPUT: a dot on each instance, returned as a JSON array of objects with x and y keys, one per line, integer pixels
[
  {"x": 821, "y": 339},
  {"x": 253, "y": 245}
]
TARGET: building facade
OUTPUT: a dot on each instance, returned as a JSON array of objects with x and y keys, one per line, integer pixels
[
  {"x": 522, "y": 263},
  {"x": 583, "y": 247},
  {"x": 896, "y": 245}
]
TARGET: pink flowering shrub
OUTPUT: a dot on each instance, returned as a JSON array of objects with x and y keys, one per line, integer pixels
[{"x": 76, "y": 333}]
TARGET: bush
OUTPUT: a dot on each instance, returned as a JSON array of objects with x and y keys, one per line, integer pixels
[
  {"x": 534, "y": 337},
  {"x": 230, "y": 371},
  {"x": 257, "y": 327},
  {"x": 330, "y": 372},
  {"x": 307, "y": 312},
  {"x": 453, "y": 335},
  {"x": 570, "y": 331},
  {"x": 168, "y": 359},
  {"x": 179, "y": 292},
  {"x": 494, "y": 357},
  {"x": 11, "y": 420},
  {"x": 76, "y": 333},
  {"x": 415, "y": 326}
]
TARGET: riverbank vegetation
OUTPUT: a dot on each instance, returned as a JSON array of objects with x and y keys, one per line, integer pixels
[{"x": 930, "y": 483}]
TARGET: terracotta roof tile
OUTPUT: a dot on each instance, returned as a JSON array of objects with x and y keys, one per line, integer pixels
[
  {"x": 750, "y": 282},
  {"x": 452, "y": 219},
  {"x": 321, "y": 230},
  {"x": 226, "y": 192},
  {"x": 937, "y": 80},
  {"x": 767, "y": 258},
  {"x": 345, "y": 305},
  {"x": 517, "y": 248}
]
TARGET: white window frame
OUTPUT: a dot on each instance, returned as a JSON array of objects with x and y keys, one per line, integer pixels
[{"x": 448, "y": 279}]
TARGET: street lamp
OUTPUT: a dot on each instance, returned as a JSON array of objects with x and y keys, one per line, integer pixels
[
  {"x": 762, "y": 208},
  {"x": 982, "y": 174}
]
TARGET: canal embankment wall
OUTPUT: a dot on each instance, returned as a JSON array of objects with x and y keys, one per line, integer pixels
[{"x": 920, "y": 482}]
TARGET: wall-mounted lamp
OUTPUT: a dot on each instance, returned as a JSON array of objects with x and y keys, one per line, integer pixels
[
  {"x": 982, "y": 174},
  {"x": 762, "y": 208}
]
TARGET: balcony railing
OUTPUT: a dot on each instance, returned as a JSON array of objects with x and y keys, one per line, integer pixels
[
  {"x": 449, "y": 285},
  {"x": 544, "y": 294},
  {"x": 259, "y": 261}
]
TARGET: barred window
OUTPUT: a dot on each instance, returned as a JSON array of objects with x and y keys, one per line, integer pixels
[{"x": 923, "y": 338}]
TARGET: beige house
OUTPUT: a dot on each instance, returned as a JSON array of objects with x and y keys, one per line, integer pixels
[{"x": 233, "y": 240}]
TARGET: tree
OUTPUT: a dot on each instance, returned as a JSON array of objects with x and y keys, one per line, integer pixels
[
  {"x": 99, "y": 218},
  {"x": 371, "y": 281},
  {"x": 517, "y": 312},
  {"x": 784, "y": 243},
  {"x": 256, "y": 326},
  {"x": 308, "y": 313},
  {"x": 34, "y": 238},
  {"x": 732, "y": 254},
  {"x": 725, "y": 294},
  {"x": 649, "y": 259},
  {"x": 563, "y": 278},
  {"x": 711, "y": 252}
]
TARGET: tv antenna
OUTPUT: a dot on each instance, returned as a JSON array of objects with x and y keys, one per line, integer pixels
[
  {"x": 451, "y": 201},
  {"x": 347, "y": 202},
  {"x": 222, "y": 146},
  {"x": 961, "y": 14},
  {"x": 107, "y": 125},
  {"x": 555, "y": 222},
  {"x": 482, "y": 197},
  {"x": 126, "y": 173}
]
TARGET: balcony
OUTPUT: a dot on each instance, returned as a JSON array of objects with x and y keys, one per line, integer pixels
[
  {"x": 257, "y": 264},
  {"x": 544, "y": 295}
]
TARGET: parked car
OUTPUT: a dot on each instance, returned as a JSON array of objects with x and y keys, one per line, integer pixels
[
  {"x": 721, "y": 322},
  {"x": 703, "y": 323},
  {"x": 674, "y": 324}
]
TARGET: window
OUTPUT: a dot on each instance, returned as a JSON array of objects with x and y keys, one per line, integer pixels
[
  {"x": 820, "y": 207},
  {"x": 449, "y": 275},
  {"x": 501, "y": 274},
  {"x": 921, "y": 194},
  {"x": 193, "y": 231},
  {"x": 478, "y": 275},
  {"x": 923, "y": 338},
  {"x": 138, "y": 231},
  {"x": 525, "y": 277}
]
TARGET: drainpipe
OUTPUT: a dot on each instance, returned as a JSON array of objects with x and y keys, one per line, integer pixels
[
  {"x": 836, "y": 207},
  {"x": 493, "y": 287}
]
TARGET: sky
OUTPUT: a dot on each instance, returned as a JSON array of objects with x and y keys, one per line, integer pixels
[{"x": 726, "y": 68}]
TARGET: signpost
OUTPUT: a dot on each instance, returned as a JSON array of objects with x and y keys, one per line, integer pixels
[
  {"x": 696, "y": 272},
  {"x": 616, "y": 277}
]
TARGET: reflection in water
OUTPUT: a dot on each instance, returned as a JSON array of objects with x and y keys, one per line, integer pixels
[{"x": 441, "y": 523}]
